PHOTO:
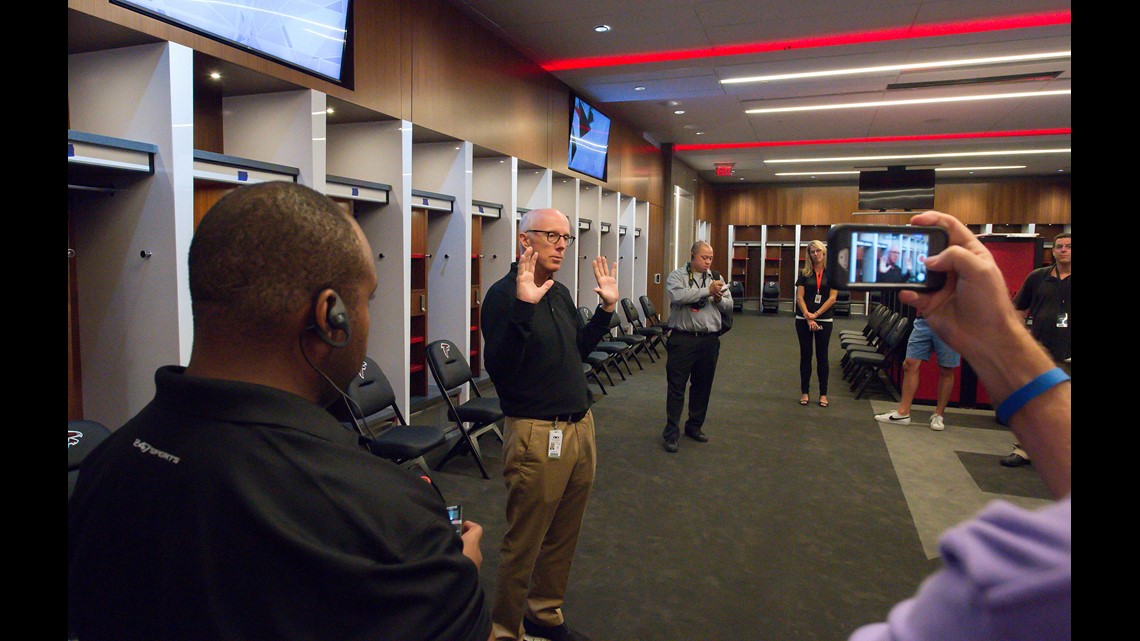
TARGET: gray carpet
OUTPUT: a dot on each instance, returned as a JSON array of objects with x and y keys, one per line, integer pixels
[{"x": 792, "y": 523}]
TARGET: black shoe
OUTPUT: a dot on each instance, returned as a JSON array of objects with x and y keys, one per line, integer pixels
[
  {"x": 535, "y": 632},
  {"x": 1015, "y": 460},
  {"x": 671, "y": 446},
  {"x": 698, "y": 437}
]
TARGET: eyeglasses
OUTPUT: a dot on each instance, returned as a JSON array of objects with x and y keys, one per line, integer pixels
[{"x": 553, "y": 236}]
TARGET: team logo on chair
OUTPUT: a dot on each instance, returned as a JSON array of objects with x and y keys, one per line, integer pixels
[
  {"x": 73, "y": 437},
  {"x": 446, "y": 350}
]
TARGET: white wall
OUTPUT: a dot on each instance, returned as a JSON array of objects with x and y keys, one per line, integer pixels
[{"x": 133, "y": 313}]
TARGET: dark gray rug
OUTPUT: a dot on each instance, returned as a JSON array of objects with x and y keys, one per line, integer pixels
[{"x": 790, "y": 524}]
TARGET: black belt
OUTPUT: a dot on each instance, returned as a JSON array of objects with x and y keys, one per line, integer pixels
[
  {"x": 688, "y": 333},
  {"x": 562, "y": 418}
]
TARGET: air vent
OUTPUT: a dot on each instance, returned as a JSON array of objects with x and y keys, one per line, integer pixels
[{"x": 1019, "y": 77}]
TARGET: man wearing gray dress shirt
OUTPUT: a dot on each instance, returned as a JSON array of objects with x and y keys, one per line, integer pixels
[{"x": 697, "y": 298}]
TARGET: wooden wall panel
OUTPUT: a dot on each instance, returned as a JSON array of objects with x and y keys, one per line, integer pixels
[
  {"x": 471, "y": 86},
  {"x": 1032, "y": 200},
  {"x": 208, "y": 122},
  {"x": 638, "y": 170}
]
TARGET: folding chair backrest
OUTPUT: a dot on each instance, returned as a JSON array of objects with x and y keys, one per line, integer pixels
[
  {"x": 448, "y": 366},
  {"x": 649, "y": 309},
  {"x": 896, "y": 338},
  {"x": 373, "y": 393},
  {"x": 584, "y": 316},
  {"x": 631, "y": 312}
]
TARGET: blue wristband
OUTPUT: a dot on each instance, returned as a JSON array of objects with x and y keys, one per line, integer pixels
[{"x": 1031, "y": 390}]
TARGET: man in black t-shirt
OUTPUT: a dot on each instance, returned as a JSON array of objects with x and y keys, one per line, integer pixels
[{"x": 1046, "y": 300}]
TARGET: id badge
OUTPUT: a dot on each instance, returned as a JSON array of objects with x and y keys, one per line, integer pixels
[
  {"x": 817, "y": 298},
  {"x": 1062, "y": 320},
  {"x": 554, "y": 446}
]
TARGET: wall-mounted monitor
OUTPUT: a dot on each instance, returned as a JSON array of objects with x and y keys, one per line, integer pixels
[
  {"x": 589, "y": 139},
  {"x": 896, "y": 189},
  {"x": 309, "y": 35}
]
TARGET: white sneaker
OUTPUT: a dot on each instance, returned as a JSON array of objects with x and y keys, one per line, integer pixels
[
  {"x": 893, "y": 417},
  {"x": 937, "y": 423}
]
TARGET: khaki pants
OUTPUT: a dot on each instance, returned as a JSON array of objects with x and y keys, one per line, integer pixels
[{"x": 546, "y": 500}]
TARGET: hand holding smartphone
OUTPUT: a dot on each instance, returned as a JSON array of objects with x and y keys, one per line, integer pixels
[{"x": 877, "y": 257}]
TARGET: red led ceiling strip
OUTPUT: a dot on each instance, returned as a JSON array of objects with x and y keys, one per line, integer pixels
[
  {"x": 980, "y": 25},
  {"x": 846, "y": 141}
]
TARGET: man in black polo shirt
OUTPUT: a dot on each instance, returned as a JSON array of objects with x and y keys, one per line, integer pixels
[
  {"x": 697, "y": 297},
  {"x": 1046, "y": 300},
  {"x": 234, "y": 505},
  {"x": 534, "y": 349}
]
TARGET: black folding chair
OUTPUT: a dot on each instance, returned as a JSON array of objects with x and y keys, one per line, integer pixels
[
  {"x": 371, "y": 410},
  {"x": 475, "y": 417},
  {"x": 654, "y": 336},
  {"x": 82, "y": 437},
  {"x": 616, "y": 350},
  {"x": 636, "y": 343}
]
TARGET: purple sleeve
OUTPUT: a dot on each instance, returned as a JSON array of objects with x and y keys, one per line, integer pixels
[{"x": 1007, "y": 575}]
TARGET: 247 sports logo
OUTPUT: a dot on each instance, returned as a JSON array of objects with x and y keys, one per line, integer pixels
[{"x": 73, "y": 437}]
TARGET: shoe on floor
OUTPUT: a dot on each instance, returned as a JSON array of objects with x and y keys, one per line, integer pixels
[
  {"x": 535, "y": 632},
  {"x": 698, "y": 437},
  {"x": 893, "y": 417},
  {"x": 671, "y": 446},
  {"x": 937, "y": 423},
  {"x": 1015, "y": 460}
]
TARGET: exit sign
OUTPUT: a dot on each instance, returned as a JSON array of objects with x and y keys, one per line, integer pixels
[{"x": 724, "y": 170}]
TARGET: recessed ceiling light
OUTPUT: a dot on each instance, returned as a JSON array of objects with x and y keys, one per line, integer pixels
[
  {"x": 903, "y": 67},
  {"x": 813, "y": 174},
  {"x": 700, "y": 133},
  {"x": 679, "y": 111},
  {"x": 973, "y": 169},
  {"x": 916, "y": 101},
  {"x": 602, "y": 28},
  {"x": 330, "y": 111},
  {"x": 903, "y": 156},
  {"x": 639, "y": 88},
  {"x": 214, "y": 75}
]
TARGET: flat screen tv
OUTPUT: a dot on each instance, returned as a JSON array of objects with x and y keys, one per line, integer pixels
[
  {"x": 310, "y": 35},
  {"x": 897, "y": 188},
  {"x": 589, "y": 139}
]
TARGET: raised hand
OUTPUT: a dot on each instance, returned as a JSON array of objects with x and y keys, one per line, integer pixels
[
  {"x": 526, "y": 289},
  {"x": 607, "y": 287}
]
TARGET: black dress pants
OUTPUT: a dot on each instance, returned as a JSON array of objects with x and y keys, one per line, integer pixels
[
  {"x": 820, "y": 339},
  {"x": 692, "y": 361}
]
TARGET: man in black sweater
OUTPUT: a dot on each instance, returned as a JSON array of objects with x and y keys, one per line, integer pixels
[{"x": 534, "y": 347}]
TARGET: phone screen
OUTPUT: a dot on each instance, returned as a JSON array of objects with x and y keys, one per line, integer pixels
[
  {"x": 455, "y": 515},
  {"x": 888, "y": 257},
  {"x": 884, "y": 256}
]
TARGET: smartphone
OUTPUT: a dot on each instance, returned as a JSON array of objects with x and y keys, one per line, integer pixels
[
  {"x": 455, "y": 515},
  {"x": 877, "y": 257}
]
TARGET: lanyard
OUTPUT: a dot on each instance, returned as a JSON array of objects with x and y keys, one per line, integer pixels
[
  {"x": 692, "y": 282},
  {"x": 818, "y": 281}
]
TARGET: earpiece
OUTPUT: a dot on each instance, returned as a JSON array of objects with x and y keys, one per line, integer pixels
[{"x": 337, "y": 318}]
